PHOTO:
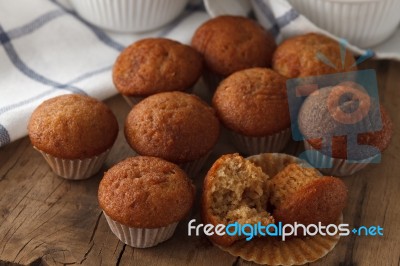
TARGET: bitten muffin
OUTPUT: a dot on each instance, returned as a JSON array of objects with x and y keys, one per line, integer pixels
[
  {"x": 232, "y": 43},
  {"x": 268, "y": 250},
  {"x": 156, "y": 65},
  {"x": 299, "y": 57},
  {"x": 175, "y": 126},
  {"x": 302, "y": 195},
  {"x": 235, "y": 190},
  {"x": 253, "y": 104},
  {"x": 74, "y": 134},
  {"x": 144, "y": 198},
  {"x": 319, "y": 117}
]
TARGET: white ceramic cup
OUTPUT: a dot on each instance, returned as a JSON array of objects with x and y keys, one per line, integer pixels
[
  {"x": 364, "y": 23},
  {"x": 129, "y": 15}
]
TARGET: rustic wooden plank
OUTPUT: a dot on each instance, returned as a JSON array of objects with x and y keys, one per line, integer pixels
[{"x": 45, "y": 219}]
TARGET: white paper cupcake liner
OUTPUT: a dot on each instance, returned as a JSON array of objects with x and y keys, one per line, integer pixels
[
  {"x": 294, "y": 251},
  {"x": 132, "y": 100},
  {"x": 212, "y": 80},
  {"x": 75, "y": 169},
  {"x": 364, "y": 23},
  {"x": 193, "y": 168},
  {"x": 129, "y": 15},
  {"x": 256, "y": 145},
  {"x": 140, "y": 237},
  {"x": 340, "y": 167}
]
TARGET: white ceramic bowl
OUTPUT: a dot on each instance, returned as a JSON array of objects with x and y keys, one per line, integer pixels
[
  {"x": 129, "y": 15},
  {"x": 227, "y": 7},
  {"x": 364, "y": 23}
]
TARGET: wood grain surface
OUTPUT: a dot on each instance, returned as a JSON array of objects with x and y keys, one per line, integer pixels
[{"x": 46, "y": 220}]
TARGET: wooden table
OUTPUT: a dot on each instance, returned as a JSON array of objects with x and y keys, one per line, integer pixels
[{"x": 45, "y": 219}]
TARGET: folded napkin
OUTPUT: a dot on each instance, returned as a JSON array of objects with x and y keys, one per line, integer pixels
[{"x": 47, "y": 50}]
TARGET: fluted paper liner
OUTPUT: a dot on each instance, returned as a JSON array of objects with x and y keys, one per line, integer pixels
[
  {"x": 256, "y": 145},
  {"x": 271, "y": 250},
  {"x": 293, "y": 251},
  {"x": 212, "y": 80},
  {"x": 140, "y": 237},
  {"x": 340, "y": 167},
  {"x": 132, "y": 100},
  {"x": 193, "y": 168},
  {"x": 77, "y": 169}
]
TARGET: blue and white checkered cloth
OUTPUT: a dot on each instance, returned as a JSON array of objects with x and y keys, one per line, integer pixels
[{"x": 47, "y": 50}]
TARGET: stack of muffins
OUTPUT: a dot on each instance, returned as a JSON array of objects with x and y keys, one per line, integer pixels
[{"x": 173, "y": 132}]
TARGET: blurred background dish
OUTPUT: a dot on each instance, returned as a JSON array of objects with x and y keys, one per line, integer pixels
[
  {"x": 364, "y": 23},
  {"x": 129, "y": 15}
]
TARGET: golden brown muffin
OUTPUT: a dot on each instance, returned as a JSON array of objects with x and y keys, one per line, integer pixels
[
  {"x": 156, "y": 65},
  {"x": 175, "y": 126},
  {"x": 145, "y": 192},
  {"x": 232, "y": 43},
  {"x": 253, "y": 102},
  {"x": 73, "y": 127},
  {"x": 288, "y": 180},
  {"x": 297, "y": 56},
  {"x": 379, "y": 139},
  {"x": 318, "y": 118},
  {"x": 301, "y": 195},
  {"x": 235, "y": 190}
]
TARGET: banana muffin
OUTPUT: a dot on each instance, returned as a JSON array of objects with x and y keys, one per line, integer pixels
[
  {"x": 232, "y": 43},
  {"x": 300, "y": 56},
  {"x": 144, "y": 198},
  {"x": 253, "y": 105},
  {"x": 69, "y": 131},
  {"x": 235, "y": 190},
  {"x": 271, "y": 247},
  {"x": 175, "y": 126},
  {"x": 323, "y": 117},
  {"x": 156, "y": 65},
  {"x": 302, "y": 195}
]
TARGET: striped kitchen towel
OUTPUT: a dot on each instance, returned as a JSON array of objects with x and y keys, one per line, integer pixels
[{"x": 47, "y": 50}]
